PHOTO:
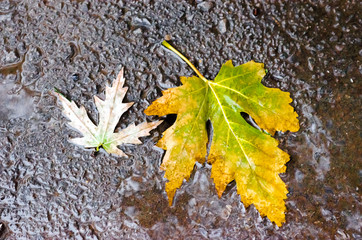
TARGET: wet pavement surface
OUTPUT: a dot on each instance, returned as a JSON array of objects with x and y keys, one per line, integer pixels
[{"x": 51, "y": 189}]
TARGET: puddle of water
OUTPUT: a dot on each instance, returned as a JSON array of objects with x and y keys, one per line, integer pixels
[{"x": 15, "y": 102}]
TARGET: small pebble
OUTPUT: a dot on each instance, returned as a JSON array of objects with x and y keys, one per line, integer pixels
[
  {"x": 222, "y": 26},
  {"x": 205, "y": 6},
  {"x": 75, "y": 77}
]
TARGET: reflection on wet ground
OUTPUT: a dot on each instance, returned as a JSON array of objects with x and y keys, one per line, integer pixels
[
  {"x": 50, "y": 189},
  {"x": 17, "y": 103}
]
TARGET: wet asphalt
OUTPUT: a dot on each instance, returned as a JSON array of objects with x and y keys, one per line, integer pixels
[{"x": 51, "y": 189}]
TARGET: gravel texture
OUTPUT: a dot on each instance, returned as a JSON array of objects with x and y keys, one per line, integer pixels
[{"x": 51, "y": 189}]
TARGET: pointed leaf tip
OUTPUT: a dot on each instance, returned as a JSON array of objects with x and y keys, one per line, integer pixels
[{"x": 120, "y": 77}]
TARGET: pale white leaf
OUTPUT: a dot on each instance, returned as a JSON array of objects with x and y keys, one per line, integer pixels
[{"x": 110, "y": 110}]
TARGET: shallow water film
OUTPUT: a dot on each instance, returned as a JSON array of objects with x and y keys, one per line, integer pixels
[{"x": 51, "y": 189}]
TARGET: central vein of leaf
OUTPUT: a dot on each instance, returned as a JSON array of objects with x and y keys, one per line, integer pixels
[
  {"x": 251, "y": 164},
  {"x": 109, "y": 116},
  {"x": 211, "y": 84}
]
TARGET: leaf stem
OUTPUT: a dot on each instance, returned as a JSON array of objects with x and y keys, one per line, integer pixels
[{"x": 166, "y": 44}]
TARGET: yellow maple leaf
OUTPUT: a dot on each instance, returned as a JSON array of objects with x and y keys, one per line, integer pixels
[{"x": 238, "y": 151}]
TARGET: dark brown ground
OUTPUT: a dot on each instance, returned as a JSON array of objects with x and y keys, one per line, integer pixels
[{"x": 51, "y": 189}]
